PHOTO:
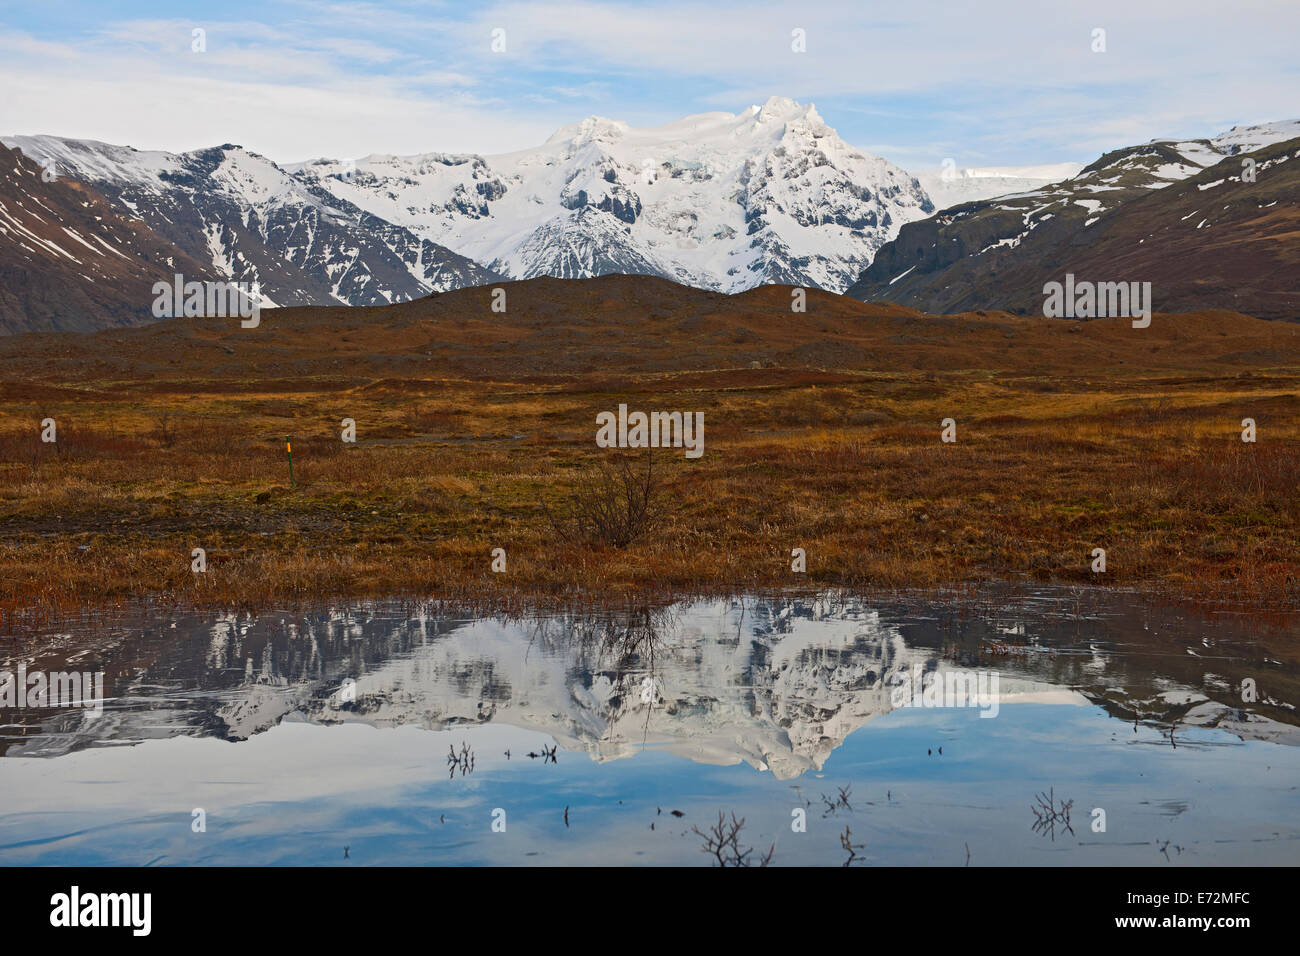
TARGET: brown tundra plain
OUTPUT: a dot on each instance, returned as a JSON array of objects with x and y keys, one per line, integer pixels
[{"x": 475, "y": 430}]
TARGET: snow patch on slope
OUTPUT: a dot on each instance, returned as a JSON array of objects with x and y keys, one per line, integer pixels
[{"x": 722, "y": 201}]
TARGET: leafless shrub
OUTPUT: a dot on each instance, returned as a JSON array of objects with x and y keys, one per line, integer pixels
[
  {"x": 614, "y": 504},
  {"x": 20, "y": 447},
  {"x": 1221, "y": 474},
  {"x": 546, "y": 755},
  {"x": 722, "y": 842},
  {"x": 840, "y": 802},
  {"x": 216, "y": 436},
  {"x": 165, "y": 429},
  {"x": 463, "y": 761},
  {"x": 1048, "y": 814},
  {"x": 851, "y": 848}
]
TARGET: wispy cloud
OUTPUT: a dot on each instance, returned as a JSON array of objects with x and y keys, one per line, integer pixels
[{"x": 1004, "y": 81}]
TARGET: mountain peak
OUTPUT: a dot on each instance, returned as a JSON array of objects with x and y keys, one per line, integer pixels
[
  {"x": 782, "y": 109},
  {"x": 593, "y": 128},
  {"x": 722, "y": 200}
]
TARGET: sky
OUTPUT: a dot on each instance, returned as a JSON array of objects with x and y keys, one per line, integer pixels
[{"x": 994, "y": 82}]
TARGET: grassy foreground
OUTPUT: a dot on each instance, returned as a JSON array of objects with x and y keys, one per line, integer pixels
[{"x": 164, "y": 449}]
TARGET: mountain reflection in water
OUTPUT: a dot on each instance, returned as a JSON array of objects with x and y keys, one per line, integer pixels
[{"x": 588, "y": 731}]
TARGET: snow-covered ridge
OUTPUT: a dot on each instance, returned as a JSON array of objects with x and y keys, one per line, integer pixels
[
  {"x": 1246, "y": 139},
  {"x": 716, "y": 200},
  {"x": 1119, "y": 176},
  {"x": 256, "y": 222},
  {"x": 720, "y": 201},
  {"x": 954, "y": 186}
]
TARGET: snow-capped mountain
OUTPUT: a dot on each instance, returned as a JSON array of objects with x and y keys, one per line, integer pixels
[
  {"x": 720, "y": 201},
  {"x": 953, "y": 186},
  {"x": 254, "y": 222},
  {"x": 1247, "y": 139},
  {"x": 997, "y": 253}
]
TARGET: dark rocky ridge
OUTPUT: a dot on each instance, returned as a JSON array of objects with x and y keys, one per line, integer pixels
[
  {"x": 69, "y": 262},
  {"x": 1208, "y": 241}
]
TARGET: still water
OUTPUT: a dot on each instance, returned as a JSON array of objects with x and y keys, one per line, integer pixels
[{"x": 913, "y": 729}]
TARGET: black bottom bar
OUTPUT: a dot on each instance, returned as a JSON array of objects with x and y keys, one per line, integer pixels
[{"x": 340, "y": 905}]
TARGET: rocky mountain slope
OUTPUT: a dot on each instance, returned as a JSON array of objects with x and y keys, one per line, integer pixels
[
  {"x": 718, "y": 201},
  {"x": 69, "y": 261},
  {"x": 1181, "y": 215},
  {"x": 722, "y": 202},
  {"x": 251, "y": 221}
]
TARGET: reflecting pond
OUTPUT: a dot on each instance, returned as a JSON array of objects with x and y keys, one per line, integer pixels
[{"x": 1043, "y": 726}]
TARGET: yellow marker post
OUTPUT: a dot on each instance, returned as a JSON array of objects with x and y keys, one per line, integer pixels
[{"x": 288, "y": 450}]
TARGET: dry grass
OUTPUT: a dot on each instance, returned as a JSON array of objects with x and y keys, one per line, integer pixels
[{"x": 846, "y": 464}]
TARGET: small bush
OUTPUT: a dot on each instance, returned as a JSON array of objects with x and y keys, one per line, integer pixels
[{"x": 614, "y": 503}]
